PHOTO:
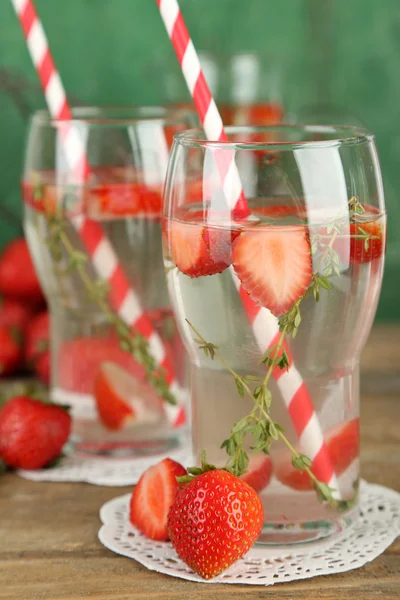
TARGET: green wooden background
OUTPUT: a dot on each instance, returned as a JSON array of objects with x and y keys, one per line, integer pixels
[{"x": 342, "y": 54}]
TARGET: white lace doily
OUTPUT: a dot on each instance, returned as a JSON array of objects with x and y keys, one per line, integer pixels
[
  {"x": 106, "y": 471},
  {"x": 377, "y": 527}
]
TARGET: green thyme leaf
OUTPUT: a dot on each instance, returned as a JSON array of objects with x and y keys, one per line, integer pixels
[{"x": 239, "y": 387}]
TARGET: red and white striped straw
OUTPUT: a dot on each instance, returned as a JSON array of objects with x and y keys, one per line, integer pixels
[
  {"x": 105, "y": 261},
  {"x": 265, "y": 325}
]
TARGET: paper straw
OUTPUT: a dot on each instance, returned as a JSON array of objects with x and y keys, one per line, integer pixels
[
  {"x": 264, "y": 324},
  {"x": 124, "y": 301}
]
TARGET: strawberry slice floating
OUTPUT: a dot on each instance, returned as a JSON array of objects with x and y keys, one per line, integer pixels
[
  {"x": 259, "y": 471},
  {"x": 343, "y": 445},
  {"x": 122, "y": 199},
  {"x": 153, "y": 496},
  {"x": 376, "y": 246},
  {"x": 274, "y": 265},
  {"x": 121, "y": 400},
  {"x": 197, "y": 249}
]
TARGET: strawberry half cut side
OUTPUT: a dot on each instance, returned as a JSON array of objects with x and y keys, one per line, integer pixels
[
  {"x": 122, "y": 400},
  {"x": 274, "y": 265},
  {"x": 153, "y": 496},
  {"x": 259, "y": 471},
  {"x": 198, "y": 249}
]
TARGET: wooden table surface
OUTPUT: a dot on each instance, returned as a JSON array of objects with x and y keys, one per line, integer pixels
[{"x": 48, "y": 531}]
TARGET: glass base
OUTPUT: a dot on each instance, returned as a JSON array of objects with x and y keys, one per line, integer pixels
[
  {"x": 127, "y": 449},
  {"x": 277, "y": 534}
]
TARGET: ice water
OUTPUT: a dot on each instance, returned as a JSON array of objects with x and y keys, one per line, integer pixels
[
  {"x": 325, "y": 352},
  {"x": 82, "y": 338}
]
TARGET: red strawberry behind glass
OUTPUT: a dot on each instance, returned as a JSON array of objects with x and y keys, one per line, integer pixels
[
  {"x": 11, "y": 352},
  {"x": 37, "y": 346},
  {"x": 18, "y": 278}
]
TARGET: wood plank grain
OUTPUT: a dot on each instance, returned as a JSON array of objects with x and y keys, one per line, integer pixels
[{"x": 62, "y": 578}]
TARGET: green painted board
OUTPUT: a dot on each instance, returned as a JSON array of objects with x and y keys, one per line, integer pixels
[{"x": 344, "y": 53}]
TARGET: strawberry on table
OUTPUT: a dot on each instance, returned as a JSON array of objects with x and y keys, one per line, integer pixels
[
  {"x": 43, "y": 367},
  {"x": 274, "y": 265},
  {"x": 259, "y": 471},
  {"x": 11, "y": 352},
  {"x": 153, "y": 496},
  {"x": 343, "y": 446},
  {"x": 32, "y": 433},
  {"x": 14, "y": 312},
  {"x": 214, "y": 521},
  {"x": 18, "y": 278},
  {"x": 37, "y": 345},
  {"x": 122, "y": 400}
]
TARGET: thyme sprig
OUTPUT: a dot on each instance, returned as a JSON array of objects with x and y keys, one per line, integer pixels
[
  {"x": 262, "y": 429},
  {"x": 130, "y": 340}
]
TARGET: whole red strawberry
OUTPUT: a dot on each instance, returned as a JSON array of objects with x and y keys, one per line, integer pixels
[
  {"x": 37, "y": 345},
  {"x": 214, "y": 521},
  {"x": 32, "y": 433},
  {"x": 14, "y": 312},
  {"x": 17, "y": 274},
  {"x": 11, "y": 353}
]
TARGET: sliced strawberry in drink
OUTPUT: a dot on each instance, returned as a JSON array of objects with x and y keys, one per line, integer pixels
[
  {"x": 153, "y": 496},
  {"x": 343, "y": 446},
  {"x": 198, "y": 249},
  {"x": 122, "y": 400},
  {"x": 376, "y": 244},
  {"x": 274, "y": 265},
  {"x": 80, "y": 359},
  {"x": 42, "y": 198},
  {"x": 280, "y": 211},
  {"x": 259, "y": 471},
  {"x": 120, "y": 199}
]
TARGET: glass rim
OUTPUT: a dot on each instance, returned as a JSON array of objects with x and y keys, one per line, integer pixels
[
  {"x": 342, "y": 135},
  {"x": 108, "y": 115}
]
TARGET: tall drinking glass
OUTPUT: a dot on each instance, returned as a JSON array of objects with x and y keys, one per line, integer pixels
[
  {"x": 275, "y": 307},
  {"x": 94, "y": 230}
]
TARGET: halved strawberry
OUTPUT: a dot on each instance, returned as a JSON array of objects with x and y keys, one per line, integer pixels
[
  {"x": 43, "y": 198},
  {"x": 343, "y": 445},
  {"x": 274, "y": 265},
  {"x": 259, "y": 471},
  {"x": 122, "y": 400},
  {"x": 153, "y": 496},
  {"x": 198, "y": 249},
  {"x": 114, "y": 200},
  {"x": 376, "y": 245}
]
